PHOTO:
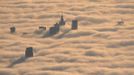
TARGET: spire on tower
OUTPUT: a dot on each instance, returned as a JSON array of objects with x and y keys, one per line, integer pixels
[{"x": 62, "y": 21}]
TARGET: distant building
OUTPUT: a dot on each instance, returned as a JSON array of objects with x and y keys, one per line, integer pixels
[
  {"x": 74, "y": 24},
  {"x": 55, "y": 29},
  {"x": 120, "y": 22},
  {"x": 12, "y": 29},
  {"x": 29, "y": 52},
  {"x": 52, "y": 31},
  {"x": 42, "y": 28},
  {"x": 62, "y": 21}
]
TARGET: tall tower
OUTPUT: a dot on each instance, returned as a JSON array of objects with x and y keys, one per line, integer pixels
[
  {"x": 74, "y": 24},
  {"x": 62, "y": 21},
  {"x": 29, "y": 52}
]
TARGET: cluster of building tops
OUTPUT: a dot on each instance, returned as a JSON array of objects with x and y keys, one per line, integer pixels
[
  {"x": 52, "y": 31},
  {"x": 55, "y": 28}
]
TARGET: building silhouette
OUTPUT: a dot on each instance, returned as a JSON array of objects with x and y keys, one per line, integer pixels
[
  {"x": 54, "y": 30},
  {"x": 42, "y": 28},
  {"x": 120, "y": 22},
  {"x": 12, "y": 29},
  {"x": 74, "y": 24},
  {"x": 29, "y": 52},
  {"x": 62, "y": 21}
]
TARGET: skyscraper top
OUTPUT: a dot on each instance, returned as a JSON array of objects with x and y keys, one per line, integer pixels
[{"x": 62, "y": 21}]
